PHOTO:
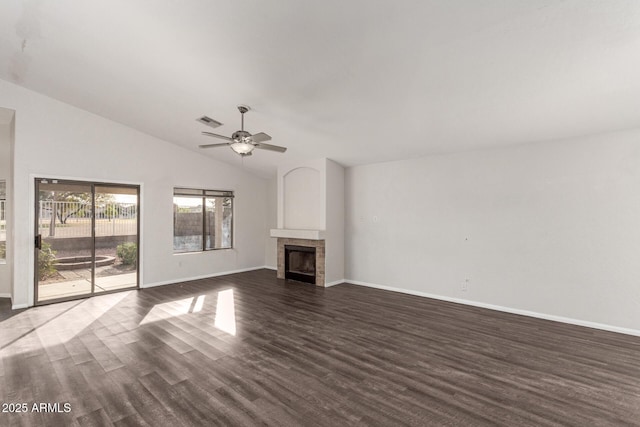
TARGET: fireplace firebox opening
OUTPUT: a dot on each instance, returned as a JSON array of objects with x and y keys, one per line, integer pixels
[{"x": 300, "y": 263}]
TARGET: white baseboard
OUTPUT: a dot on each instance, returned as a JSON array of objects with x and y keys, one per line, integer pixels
[
  {"x": 337, "y": 282},
  {"x": 269, "y": 267},
  {"x": 5, "y": 295},
  {"x": 206, "y": 276},
  {"x": 554, "y": 318},
  {"x": 19, "y": 306}
]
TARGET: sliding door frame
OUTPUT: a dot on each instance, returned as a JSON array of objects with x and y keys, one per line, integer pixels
[{"x": 92, "y": 185}]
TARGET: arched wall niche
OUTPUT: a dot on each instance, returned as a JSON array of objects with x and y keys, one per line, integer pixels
[{"x": 302, "y": 199}]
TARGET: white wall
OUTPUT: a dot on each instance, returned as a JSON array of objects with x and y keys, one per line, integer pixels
[
  {"x": 53, "y": 139},
  {"x": 334, "y": 241},
  {"x": 6, "y": 133},
  {"x": 551, "y": 228},
  {"x": 271, "y": 248}
]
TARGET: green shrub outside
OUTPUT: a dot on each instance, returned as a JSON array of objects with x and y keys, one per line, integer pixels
[
  {"x": 46, "y": 261},
  {"x": 128, "y": 253}
]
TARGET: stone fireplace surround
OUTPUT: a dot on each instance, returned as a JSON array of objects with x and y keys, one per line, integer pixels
[{"x": 320, "y": 256}]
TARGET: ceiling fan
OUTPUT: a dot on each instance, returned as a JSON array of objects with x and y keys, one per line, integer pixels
[{"x": 242, "y": 142}]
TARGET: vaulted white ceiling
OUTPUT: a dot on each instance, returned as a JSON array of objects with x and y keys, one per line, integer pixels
[{"x": 356, "y": 81}]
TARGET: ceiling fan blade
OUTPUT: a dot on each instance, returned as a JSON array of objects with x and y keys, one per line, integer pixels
[
  {"x": 271, "y": 147},
  {"x": 215, "y": 135},
  {"x": 259, "y": 137},
  {"x": 226, "y": 144}
]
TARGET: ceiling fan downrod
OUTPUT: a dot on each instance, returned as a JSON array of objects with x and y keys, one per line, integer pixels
[{"x": 243, "y": 109}]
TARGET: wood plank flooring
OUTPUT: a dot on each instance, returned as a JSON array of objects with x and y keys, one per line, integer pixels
[{"x": 307, "y": 356}]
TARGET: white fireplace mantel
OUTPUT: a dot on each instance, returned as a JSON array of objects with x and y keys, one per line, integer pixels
[{"x": 298, "y": 234}]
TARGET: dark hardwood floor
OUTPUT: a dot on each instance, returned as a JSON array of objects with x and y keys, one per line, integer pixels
[{"x": 307, "y": 356}]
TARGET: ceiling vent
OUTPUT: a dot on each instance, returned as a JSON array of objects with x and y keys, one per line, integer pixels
[{"x": 209, "y": 121}]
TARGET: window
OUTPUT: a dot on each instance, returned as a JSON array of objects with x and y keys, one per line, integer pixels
[
  {"x": 202, "y": 220},
  {"x": 3, "y": 221}
]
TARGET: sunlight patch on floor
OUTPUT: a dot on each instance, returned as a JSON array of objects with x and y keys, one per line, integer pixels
[
  {"x": 226, "y": 312},
  {"x": 171, "y": 309},
  {"x": 197, "y": 306},
  {"x": 56, "y": 327}
]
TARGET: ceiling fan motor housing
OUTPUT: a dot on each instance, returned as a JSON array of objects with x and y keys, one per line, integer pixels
[{"x": 241, "y": 136}]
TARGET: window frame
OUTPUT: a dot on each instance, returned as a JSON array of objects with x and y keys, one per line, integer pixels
[{"x": 204, "y": 195}]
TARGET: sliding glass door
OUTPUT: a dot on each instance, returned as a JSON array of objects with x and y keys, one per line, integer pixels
[
  {"x": 86, "y": 239},
  {"x": 116, "y": 225}
]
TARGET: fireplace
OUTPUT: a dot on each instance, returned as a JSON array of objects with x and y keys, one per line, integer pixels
[
  {"x": 310, "y": 252},
  {"x": 300, "y": 263},
  {"x": 311, "y": 212}
]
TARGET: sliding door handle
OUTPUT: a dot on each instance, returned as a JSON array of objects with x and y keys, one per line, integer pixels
[{"x": 39, "y": 241}]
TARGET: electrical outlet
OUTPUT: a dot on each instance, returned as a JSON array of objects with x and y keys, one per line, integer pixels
[{"x": 465, "y": 285}]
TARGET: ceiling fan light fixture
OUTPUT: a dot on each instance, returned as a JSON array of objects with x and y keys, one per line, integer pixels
[{"x": 242, "y": 148}]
